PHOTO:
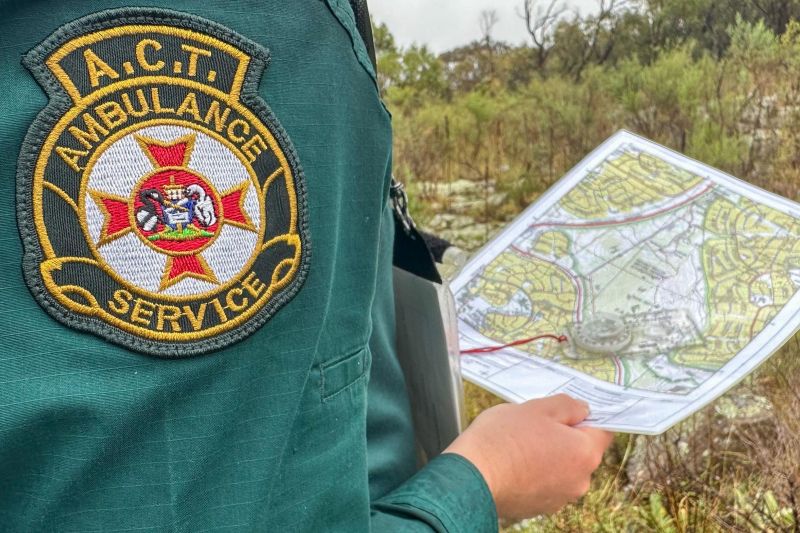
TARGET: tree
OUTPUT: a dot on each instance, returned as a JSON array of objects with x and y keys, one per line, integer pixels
[
  {"x": 599, "y": 31},
  {"x": 390, "y": 67},
  {"x": 488, "y": 20},
  {"x": 540, "y": 23}
]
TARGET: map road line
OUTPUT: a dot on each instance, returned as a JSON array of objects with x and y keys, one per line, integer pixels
[{"x": 631, "y": 220}]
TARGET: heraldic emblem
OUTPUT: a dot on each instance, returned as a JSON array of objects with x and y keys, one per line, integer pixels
[{"x": 160, "y": 202}]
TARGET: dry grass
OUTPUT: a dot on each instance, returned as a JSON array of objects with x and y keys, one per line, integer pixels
[
  {"x": 475, "y": 159},
  {"x": 713, "y": 473}
]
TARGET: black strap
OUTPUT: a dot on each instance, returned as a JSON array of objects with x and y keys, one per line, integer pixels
[
  {"x": 411, "y": 253},
  {"x": 437, "y": 245},
  {"x": 364, "y": 26}
]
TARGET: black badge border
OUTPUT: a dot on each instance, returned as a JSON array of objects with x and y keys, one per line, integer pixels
[{"x": 60, "y": 102}]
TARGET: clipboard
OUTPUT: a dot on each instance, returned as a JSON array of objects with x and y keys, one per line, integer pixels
[{"x": 428, "y": 352}]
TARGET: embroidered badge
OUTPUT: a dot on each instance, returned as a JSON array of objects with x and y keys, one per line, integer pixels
[{"x": 160, "y": 202}]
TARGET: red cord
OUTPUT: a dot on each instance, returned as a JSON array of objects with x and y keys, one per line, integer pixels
[{"x": 491, "y": 349}]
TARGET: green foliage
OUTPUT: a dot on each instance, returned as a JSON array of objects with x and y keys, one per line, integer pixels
[
  {"x": 483, "y": 112},
  {"x": 657, "y": 517},
  {"x": 483, "y": 130}
]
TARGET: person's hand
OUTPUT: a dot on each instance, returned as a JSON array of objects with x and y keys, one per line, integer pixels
[{"x": 532, "y": 458}]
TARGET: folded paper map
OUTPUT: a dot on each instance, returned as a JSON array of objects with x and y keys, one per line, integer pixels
[{"x": 650, "y": 282}]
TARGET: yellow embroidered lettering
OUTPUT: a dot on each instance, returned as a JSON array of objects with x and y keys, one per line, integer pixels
[
  {"x": 157, "y": 103},
  {"x": 194, "y": 54},
  {"x": 142, "y": 312},
  {"x": 93, "y": 132},
  {"x": 253, "y": 147},
  {"x": 253, "y": 285},
  {"x": 111, "y": 114},
  {"x": 72, "y": 157},
  {"x": 189, "y": 105},
  {"x": 121, "y": 302},
  {"x": 196, "y": 320},
  {"x": 169, "y": 314},
  {"x": 219, "y": 119},
  {"x": 245, "y": 129},
  {"x": 232, "y": 305},
  {"x": 144, "y": 105},
  {"x": 220, "y": 310},
  {"x": 98, "y": 68},
  {"x": 142, "y": 58}
]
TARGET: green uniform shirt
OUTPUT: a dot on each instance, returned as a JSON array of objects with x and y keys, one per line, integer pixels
[{"x": 301, "y": 426}]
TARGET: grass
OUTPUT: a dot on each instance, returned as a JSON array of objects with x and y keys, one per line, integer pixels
[
  {"x": 721, "y": 470},
  {"x": 713, "y": 473}
]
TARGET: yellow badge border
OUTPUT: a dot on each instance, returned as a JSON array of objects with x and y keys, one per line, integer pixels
[
  {"x": 53, "y": 62},
  {"x": 285, "y": 273}
]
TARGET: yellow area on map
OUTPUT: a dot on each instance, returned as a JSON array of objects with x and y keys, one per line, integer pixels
[
  {"x": 626, "y": 184},
  {"x": 546, "y": 299},
  {"x": 748, "y": 258},
  {"x": 539, "y": 296},
  {"x": 748, "y": 253},
  {"x": 552, "y": 244}
]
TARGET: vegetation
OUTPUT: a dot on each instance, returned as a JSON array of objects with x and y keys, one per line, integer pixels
[{"x": 482, "y": 130}]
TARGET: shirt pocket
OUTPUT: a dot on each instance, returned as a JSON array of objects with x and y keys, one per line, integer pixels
[
  {"x": 322, "y": 484},
  {"x": 338, "y": 376}
]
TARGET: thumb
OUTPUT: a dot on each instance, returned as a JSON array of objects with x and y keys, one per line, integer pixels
[
  {"x": 563, "y": 409},
  {"x": 601, "y": 439}
]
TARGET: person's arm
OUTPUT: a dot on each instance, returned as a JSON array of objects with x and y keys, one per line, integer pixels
[
  {"x": 448, "y": 495},
  {"x": 513, "y": 461}
]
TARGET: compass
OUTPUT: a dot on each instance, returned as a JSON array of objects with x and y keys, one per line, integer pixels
[{"x": 602, "y": 334}]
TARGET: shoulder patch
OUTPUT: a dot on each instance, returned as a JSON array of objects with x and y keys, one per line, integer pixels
[{"x": 161, "y": 204}]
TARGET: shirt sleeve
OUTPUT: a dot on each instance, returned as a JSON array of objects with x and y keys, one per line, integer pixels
[{"x": 449, "y": 494}]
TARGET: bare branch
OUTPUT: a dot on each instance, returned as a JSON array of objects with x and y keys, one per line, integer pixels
[
  {"x": 488, "y": 20},
  {"x": 540, "y": 23},
  {"x": 594, "y": 27}
]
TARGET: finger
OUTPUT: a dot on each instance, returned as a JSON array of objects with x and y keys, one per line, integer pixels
[
  {"x": 600, "y": 438},
  {"x": 563, "y": 409}
]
